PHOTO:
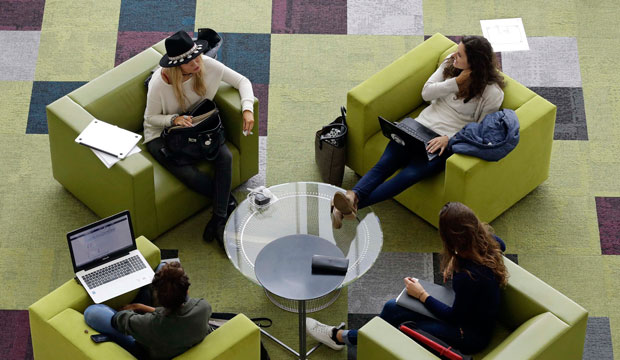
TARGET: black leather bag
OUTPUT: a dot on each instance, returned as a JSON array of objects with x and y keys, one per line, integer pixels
[
  {"x": 187, "y": 145},
  {"x": 330, "y": 149}
]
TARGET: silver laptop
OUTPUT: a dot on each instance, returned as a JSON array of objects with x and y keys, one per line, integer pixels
[{"x": 106, "y": 260}]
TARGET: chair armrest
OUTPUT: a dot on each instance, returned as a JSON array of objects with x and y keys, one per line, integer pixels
[
  {"x": 380, "y": 340},
  {"x": 392, "y": 93},
  {"x": 238, "y": 338},
  {"x": 229, "y": 105},
  {"x": 129, "y": 184},
  {"x": 480, "y": 184},
  {"x": 534, "y": 339}
]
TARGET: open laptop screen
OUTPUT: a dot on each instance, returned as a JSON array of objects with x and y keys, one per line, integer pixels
[{"x": 101, "y": 241}]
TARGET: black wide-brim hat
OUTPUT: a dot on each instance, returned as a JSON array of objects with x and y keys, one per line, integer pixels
[{"x": 181, "y": 49}]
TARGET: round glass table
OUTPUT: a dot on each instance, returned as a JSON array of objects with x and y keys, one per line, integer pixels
[{"x": 301, "y": 208}]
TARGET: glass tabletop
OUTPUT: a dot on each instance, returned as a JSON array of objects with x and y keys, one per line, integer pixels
[{"x": 301, "y": 208}]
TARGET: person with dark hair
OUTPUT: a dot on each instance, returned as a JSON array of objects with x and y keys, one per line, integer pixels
[
  {"x": 472, "y": 258},
  {"x": 156, "y": 332},
  {"x": 187, "y": 77},
  {"x": 465, "y": 88}
]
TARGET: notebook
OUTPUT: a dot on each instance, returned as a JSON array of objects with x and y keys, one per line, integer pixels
[
  {"x": 441, "y": 293},
  {"x": 410, "y": 134},
  {"x": 106, "y": 260}
]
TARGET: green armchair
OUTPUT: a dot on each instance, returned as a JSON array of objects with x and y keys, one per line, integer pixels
[
  {"x": 156, "y": 199},
  {"x": 488, "y": 188},
  {"x": 59, "y": 331},
  {"x": 536, "y": 322}
]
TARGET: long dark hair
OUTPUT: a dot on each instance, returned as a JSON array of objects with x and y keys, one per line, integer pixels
[
  {"x": 484, "y": 67},
  {"x": 465, "y": 237}
]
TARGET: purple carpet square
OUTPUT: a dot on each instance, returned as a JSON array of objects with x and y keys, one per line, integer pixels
[
  {"x": 261, "y": 91},
  {"x": 156, "y": 15},
  {"x": 15, "y": 342},
  {"x": 248, "y": 54},
  {"x": 43, "y": 94},
  {"x": 457, "y": 39},
  {"x": 570, "y": 121},
  {"x": 309, "y": 17},
  {"x": 608, "y": 212},
  {"x": 130, "y": 43},
  {"x": 21, "y": 14}
]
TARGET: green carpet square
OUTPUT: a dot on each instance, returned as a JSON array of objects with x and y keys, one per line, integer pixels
[
  {"x": 244, "y": 16},
  {"x": 14, "y": 102}
]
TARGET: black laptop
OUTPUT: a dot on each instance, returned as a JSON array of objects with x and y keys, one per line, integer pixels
[{"x": 413, "y": 135}]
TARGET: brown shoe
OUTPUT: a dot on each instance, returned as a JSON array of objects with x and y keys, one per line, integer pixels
[
  {"x": 336, "y": 218},
  {"x": 347, "y": 204}
]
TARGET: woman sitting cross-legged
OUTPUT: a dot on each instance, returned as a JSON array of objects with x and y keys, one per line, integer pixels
[
  {"x": 156, "y": 332},
  {"x": 472, "y": 257},
  {"x": 464, "y": 89}
]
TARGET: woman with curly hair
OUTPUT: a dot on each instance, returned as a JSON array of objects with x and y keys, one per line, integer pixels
[
  {"x": 465, "y": 88},
  {"x": 162, "y": 332},
  {"x": 472, "y": 258}
]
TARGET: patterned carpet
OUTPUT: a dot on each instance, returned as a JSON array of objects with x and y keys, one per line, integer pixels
[{"x": 302, "y": 56}]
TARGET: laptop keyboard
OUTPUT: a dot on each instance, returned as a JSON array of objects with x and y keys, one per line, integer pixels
[
  {"x": 114, "y": 271},
  {"x": 411, "y": 131}
]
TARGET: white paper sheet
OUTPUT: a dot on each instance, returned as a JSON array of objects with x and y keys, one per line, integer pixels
[
  {"x": 505, "y": 34},
  {"x": 109, "y": 160}
]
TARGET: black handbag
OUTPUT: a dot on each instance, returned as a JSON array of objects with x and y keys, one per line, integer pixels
[
  {"x": 187, "y": 145},
  {"x": 330, "y": 149}
]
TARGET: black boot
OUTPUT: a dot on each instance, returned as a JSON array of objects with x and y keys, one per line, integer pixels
[{"x": 210, "y": 232}]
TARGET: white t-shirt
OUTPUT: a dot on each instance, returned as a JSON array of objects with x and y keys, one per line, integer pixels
[
  {"x": 162, "y": 105},
  {"x": 447, "y": 115}
]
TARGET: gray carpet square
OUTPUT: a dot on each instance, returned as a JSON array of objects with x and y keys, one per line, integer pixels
[
  {"x": 18, "y": 58},
  {"x": 570, "y": 122},
  {"x": 384, "y": 281},
  {"x": 551, "y": 61},
  {"x": 598, "y": 340},
  {"x": 385, "y": 17}
]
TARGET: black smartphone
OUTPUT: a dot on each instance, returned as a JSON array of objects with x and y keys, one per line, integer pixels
[{"x": 99, "y": 338}]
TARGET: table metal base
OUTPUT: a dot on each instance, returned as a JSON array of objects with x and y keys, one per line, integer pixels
[
  {"x": 311, "y": 305},
  {"x": 302, "y": 354}
]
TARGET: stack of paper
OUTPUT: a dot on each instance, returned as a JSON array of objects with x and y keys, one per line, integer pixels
[{"x": 109, "y": 142}]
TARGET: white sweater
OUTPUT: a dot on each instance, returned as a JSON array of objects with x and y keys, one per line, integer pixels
[
  {"x": 447, "y": 115},
  {"x": 162, "y": 106}
]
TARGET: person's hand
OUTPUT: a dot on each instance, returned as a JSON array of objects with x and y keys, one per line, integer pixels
[
  {"x": 183, "y": 120},
  {"x": 415, "y": 289},
  {"x": 463, "y": 77},
  {"x": 248, "y": 122},
  {"x": 439, "y": 143},
  {"x": 137, "y": 307}
]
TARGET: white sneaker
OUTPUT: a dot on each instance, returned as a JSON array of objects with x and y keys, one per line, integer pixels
[{"x": 321, "y": 333}]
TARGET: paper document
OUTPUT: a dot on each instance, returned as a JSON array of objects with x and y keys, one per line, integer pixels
[
  {"x": 505, "y": 34},
  {"x": 108, "y": 138},
  {"x": 109, "y": 160}
]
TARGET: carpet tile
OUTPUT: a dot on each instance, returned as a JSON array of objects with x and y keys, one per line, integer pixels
[
  {"x": 130, "y": 43},
  {"x": 608, "y": 212},
  {"x": 248, "y": 54},
  {"x": 550, "y": 62},
  {"x": 21, "y": 14},
  {"x": 155, "y": 15},
  {"x": 570, "y": 121},
  {"x": 14, "y": 103},
  {"x": 309, "y": 17},
  {"x": 242, "y": 16},
  {"x": 19, "y": 56},
  {"x": 44, "y": 93},
  {"x": 261, "y": 92},
  {"x": 598, "y": 339},
  {"x": 19, "y": 344},
  {"x": 385, "y": 17}
]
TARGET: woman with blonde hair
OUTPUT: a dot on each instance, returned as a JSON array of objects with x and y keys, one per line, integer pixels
[
  {"x": 472, "y": 258},
  {"x": 187, "y": 77}
]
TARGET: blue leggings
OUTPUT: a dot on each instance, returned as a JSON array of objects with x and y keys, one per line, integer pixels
[
  {"x": 451, "y": 334},
  {"x": 373, "y": 187}
]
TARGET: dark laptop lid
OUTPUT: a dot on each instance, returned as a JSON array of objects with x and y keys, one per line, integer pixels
[{"x": 101, "y": 241}]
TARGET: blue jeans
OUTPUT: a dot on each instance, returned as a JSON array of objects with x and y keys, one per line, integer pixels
[
  {"x": 99, "y": 317},
  {"x": 218, "y": 188},
  {"x": 373, "y": 187},
  {"x": 396, "y": 315}
]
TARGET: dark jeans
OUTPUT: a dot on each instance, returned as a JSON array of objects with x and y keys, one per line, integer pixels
[
  {"x": 451, "y": 334},
  {"x": 217, "y": 189},
  {"x": 372, "y": 187}
]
